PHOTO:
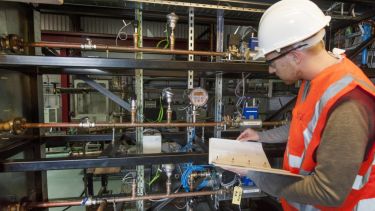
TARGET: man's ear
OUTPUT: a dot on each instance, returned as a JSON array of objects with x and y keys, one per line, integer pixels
[{"x": 296, "y": 56}]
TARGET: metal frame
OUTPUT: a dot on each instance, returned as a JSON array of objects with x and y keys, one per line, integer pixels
[
  {"x": 219, "y": 76},
  {"x": 139, "y": 101},
  {"x": 121, "y": 66},
  {"x": 106, "y": 92},
  {"x": 198, "y": 5},
  {"x": 189, "y": 117},
  {"x": 111, "y": 66},
  {"x": 92, "y": 162}
]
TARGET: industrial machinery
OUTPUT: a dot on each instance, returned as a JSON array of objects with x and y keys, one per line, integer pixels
[{"x": 112, "y": 109}]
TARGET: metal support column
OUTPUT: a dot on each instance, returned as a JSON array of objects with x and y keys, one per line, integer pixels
[
  {"x": 37, "y": 31},
  {"x": 190, "y": 130},
  {"x": 219, "y": 75},
  {"x": 191, "y": 47},
  {"x": 190, "y": 118},
  {"x": 139, "y": 94},
  {"x": 37, "y": 180}
]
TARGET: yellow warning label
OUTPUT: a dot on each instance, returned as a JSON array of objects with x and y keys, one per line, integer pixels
[{"x": 237, "y": 194}]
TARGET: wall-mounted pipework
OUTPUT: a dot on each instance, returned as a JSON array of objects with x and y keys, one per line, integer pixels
[
  {"x": 172, "y": 22},
  {"x": 11, "y": 43},
  {"x": 18, "y": 125},
  {"x": 14, "y": 126},
  {"x": 96, "y": 201},
  {"x": 133, "y": 111},
  {"x": 135, "y": 49},
  {"x": 168, "y": 95}
]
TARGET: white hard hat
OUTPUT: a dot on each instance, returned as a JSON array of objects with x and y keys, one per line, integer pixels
[{"x": 288, "y": 22}]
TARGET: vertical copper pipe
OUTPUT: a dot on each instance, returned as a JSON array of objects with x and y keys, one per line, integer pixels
[
  {"x": 168, "y": 184},
  {"x": 134, "y": 188},
  {"x": 133, "y": 115},
  {"x": 172, "y": 40},
  {"x": 169, "y": 115},
  {"x": 135, "y": 39},
  {"x": 102, "y": 205}
]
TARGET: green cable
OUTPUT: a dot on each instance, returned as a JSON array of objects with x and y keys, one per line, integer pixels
[
  {"x": 166, "y": 40},
  {"x": 161, "y": 111},
  {"x": 160, "y": 42},
  {"x": 157, "y": 175}
]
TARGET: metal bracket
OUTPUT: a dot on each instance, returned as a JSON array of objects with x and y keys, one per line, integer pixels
[
  {"x": 191, "y": 47},
  {"x": 105, "y": 92}
]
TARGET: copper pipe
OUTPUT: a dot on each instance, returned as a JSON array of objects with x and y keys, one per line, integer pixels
[
  {"x": 135, "y": 40},
  {"x": 121, "y": 125},
  {"x": 168, "y": 186},
  {"x": 274, "y": 123},
  {"x": 194, "y": 175},
  {"x": 172, "y": 40},
  {"x": 6, "y": 126},
  {"x": 124, "y": 49},
  {"x": 133, "y": 111},
  {"x": 169, "y": 115},
  {"x": 134, "y": 189},
  {"x": 78, "y": 154},
  {"x": 102, "y": 205},
  {"x": 132, "y": 125},
  {"x": 133, "y": 116},
  {"x": 62, "y": 203},
  {"x": 77, "y": 202}
]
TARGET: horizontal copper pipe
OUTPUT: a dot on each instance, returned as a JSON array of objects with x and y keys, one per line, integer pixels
[
  {"x": 124, "y": 49},
  {"x": 5, "y": 126},
  {"x": 274, "y": 123},
  {"x": 62, "y": 203},
  {"x": 133, "y": 125},
  {"x": 121, "y": 125},
  {"x": 77, "y": 202}
]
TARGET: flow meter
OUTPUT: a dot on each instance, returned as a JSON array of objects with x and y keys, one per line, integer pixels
[{"x": 198, "y": 97}]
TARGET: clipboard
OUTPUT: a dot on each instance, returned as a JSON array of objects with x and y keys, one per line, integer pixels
[{"x": 240, "y": 156}]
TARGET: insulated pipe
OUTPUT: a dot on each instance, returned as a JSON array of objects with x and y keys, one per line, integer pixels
[
  {"x": 94, "y": 201},
  {"x": 124, "y": 49}
]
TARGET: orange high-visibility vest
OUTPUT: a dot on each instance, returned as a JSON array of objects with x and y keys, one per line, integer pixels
[{"x": 308, "y": 123}]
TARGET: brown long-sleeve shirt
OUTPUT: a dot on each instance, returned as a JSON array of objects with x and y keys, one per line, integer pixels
[{"x": 348, "y": 134}]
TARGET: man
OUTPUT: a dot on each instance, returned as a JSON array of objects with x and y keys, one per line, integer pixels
[{"x": 330, "y": 139}]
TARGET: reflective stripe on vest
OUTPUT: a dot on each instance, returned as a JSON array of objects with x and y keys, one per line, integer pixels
[
  {"x": 294, "y": 161},
  {"x": 365, "y": 205},
  {"x": 360, "y": 180},
  {"x": 333, "y": 89},
  {"x": 303, "y": 207}
]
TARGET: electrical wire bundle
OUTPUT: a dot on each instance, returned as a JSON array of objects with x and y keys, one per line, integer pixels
[
  {"x": 160, "y": 115},
  {"x": 242, "y": 97}
]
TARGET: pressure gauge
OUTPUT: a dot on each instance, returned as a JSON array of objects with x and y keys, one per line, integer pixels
[{"x": 198, "y": 97}]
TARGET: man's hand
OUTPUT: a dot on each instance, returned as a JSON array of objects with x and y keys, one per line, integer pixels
[{"x": 248, "y": 135}]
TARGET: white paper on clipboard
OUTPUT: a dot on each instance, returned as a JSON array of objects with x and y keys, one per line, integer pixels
[{"x": 250, "y": 156}]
